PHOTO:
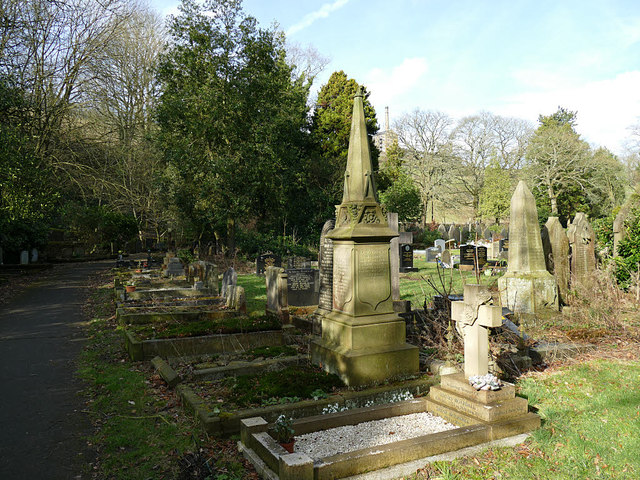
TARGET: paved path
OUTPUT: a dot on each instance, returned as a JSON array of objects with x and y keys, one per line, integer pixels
[{"x": 41, "y": 423}]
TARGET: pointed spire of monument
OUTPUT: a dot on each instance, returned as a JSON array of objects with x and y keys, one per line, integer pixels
[{"x": 358, "y": 177}]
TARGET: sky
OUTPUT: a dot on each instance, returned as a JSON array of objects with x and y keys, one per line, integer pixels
[{"x": 516, "y": 58}]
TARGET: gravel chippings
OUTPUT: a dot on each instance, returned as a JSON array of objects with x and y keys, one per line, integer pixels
[{"x": 369, "y": 434}]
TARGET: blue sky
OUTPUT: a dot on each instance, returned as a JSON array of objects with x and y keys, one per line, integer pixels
[{"x": 517, "y": 58}]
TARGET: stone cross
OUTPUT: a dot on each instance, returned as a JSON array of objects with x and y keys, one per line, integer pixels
[{"x": 473, "y": 316}]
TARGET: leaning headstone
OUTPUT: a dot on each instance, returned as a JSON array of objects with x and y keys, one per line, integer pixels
[
  {"x": 582, "y": 247},
  {"x": 229, "y": 279},
  {"x": 267, "y": 260},
  {"x": 556, "y": 254},
  {"x": 303, "y": 286},
  {"x": 34, "y": 255},
  {"x": 325, "y": 267},
  {"x": 363, "y": 340},
  {"x": 440, "y": 244},
  {"x": 527, "y": 287},
  {"x": 394, "y": 256},
  {"x": 444, "y": 233},
  {"x": 277, "y": 302},
  {"x": 446, "y": 258},
  {"x": 24, "y": 257}
]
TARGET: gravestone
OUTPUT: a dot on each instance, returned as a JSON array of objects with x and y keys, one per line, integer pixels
[
  {"x": 236, "y": 298},
  {"x": 406, "y": 258},
  {"x": 440, "y": 244},
  {"x": 405, "y": 238},
  {"x": 504, "y": 245},
  {"x": 298, "y": 262},
  {"x": 267, "y": 260},
  {"x": 34, "y": 255},
  {"x": 468, "y": 256},
  {"x": 454, "y": 234},
  {"x": 303, "y": 286},
  {"x": 473, "y": 316},
  {"x": 555, "y": 244},
  {"x": 174, "y": 267},
  {"x": 394, "y": 256},
  {"x": 210, "y": 277},
  {"x": 24, "y": 257},
  {"x": 488, "y": 234},
  {"x": 446, "y": 258},
  {"x": 277, "y": 302},
  {"x": 527, "y": 287},
  {"x": 432, "y": 254},
  {"x": 325, "y": 266},
  {"x": 504, "y": 233},
  {"x": 494, "y": 250},
  {"x": 363, "y": 340},
  {"x": 464, "y": 234},
  {"x": 229, "y": 279},
  {"x": 444, "y": 233},
  {"x": 582, "y": 247}
]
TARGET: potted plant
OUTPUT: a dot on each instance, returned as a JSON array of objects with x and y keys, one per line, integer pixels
[
  {"x": 284, "y": 432},
  {"x": 130, "y": 286}
]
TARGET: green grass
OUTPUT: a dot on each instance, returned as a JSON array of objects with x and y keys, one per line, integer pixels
[
  {"x": 591, "y": 418},
  {"x": 255, "y": 290},
  {"x": 414, "y": 287}
]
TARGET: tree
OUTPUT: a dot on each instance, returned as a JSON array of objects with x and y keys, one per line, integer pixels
[
  {"x": 330, "y": 129},
  {"x": 232, "y": 119},
  {"x": 402, "y": 197},
  {"x": 559, "y": 160},
  {"x": 424, "y": 138},
  {"x": 495, "y": 197}
]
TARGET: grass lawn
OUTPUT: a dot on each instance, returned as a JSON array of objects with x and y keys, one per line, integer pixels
[
  {"x": 255, "y": 290},
  {"x": 590, "y": 422}
]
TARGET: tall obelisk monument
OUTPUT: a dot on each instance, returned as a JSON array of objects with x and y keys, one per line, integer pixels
[{"x": 363, "y": 341}]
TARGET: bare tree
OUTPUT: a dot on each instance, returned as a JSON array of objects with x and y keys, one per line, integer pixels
[{"x": 424, "y": 136}]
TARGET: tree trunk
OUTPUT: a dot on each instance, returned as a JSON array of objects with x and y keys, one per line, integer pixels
[
  {"x": 231, "y": 236},
  {"x": 553, "y": 198}
]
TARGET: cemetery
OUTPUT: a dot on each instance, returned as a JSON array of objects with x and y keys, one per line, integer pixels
[{"x": 237, "y": 274}]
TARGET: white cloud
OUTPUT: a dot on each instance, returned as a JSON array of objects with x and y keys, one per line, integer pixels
[
  {"x": 388, "y": 86},
  {"x": 606, "y": 108},
  {"x": 323, "y": 12}
]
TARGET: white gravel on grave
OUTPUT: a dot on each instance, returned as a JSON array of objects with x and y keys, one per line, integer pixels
[{"x": 349, "y": 438}]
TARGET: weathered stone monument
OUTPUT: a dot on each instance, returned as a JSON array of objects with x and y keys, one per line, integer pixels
[
  {"x": 267, "y": 260},
  {"x": 556, "y": 254},
  {"x": 446, "y": 257},
  {"x": 229, "y": 279},
  {"x": 473, "y": 316},
  {"x": 454, "y": 233},
  {"x": 174, "y": 267},
  {"x": 277, "y": 302},
  {"x": 444, "y": 233},
  {"x": 527, "y": 287},
  {"x": 440, "y": 244},
  {"x": 363, "y": 340},
  {"x": 583, "y": 254}
]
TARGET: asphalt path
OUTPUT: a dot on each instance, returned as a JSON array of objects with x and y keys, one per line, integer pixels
[{"x": 43, "y": 428}]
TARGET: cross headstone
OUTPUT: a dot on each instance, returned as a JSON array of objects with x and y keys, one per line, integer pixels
[{"x": 473, "y": 316}]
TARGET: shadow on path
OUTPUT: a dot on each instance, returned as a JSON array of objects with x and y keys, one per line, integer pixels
[{"x": 42, "y": 427}]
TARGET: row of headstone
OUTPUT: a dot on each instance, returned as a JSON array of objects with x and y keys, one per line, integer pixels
[
  {"x": 469, "y": 233},
  {"x": 203, "y": 275}
]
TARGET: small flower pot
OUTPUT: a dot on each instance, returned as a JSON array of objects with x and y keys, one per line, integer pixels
[
  {"x": 130, "y": 288},
  {"x": 288, "y": 446}
]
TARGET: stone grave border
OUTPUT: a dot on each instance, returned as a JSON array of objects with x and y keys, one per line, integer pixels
[
  {"x": 143, "y": 294},
  {"x": 139, "y": 349},
  {"x": 274, "y": 462},
  {"x": 227, "y": 424},
  {"x": 239, "y": 367},
  {"x": 125, "y": 316}
]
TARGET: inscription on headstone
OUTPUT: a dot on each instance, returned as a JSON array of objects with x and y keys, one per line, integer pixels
[
  {"x": 342, "y": 270},
  {"x": 298, "y": 262},
  {"x": 432, "y": 254},
  {"x": 303, "y": 286},
  {"x": 325, "y": 265},
  {"x": 468, "y": 255}
]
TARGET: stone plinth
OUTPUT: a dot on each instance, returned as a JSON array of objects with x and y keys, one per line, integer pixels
[
  {"x": 458, "y": 402},
  {"x": 527, "y": 287}
]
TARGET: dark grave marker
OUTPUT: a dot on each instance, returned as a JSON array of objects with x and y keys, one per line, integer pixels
[
  {"x": 468, "y": 255},
  {"x": 303, "y": 286},
  {"x": 504, "y": 245},
  {"x": 267, "y": 260},
  {"x": 406, "y": 258}
]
